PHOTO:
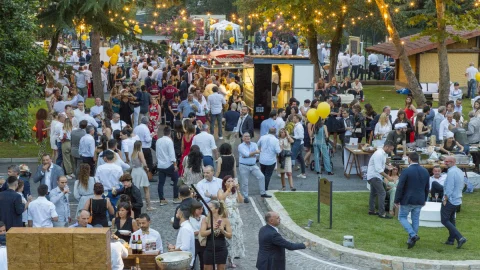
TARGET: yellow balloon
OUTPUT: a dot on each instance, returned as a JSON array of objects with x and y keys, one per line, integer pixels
[
  {"x": 229, "y": 27},
  {"x": 270, "y": 45},
  {"x": 268, "y": 39},
  {"x": 312, "y": 116},
  {"x": 139, "y": 31},
  {"x": 185, "y": 35},
  {"x": 110, "y": 52},
  {"x": 232, "y": 40},
  {"x": 106, "y": 64},
  {"x": 270, "y": 34},
  {"x": 117, "y": 49},
  {"x": 249, "y": 27},
  {"x": 113, "y": 61},
  {"x": 84, "y": 37},
  {"x": 125, "y": 23},
  {"x": 323, "y": 110},
  {"x": 113, "y": 58},
  {"x": 136, "y": 27},
  {"x": 265, "y": 24},
  {"x": 477, "y": 76}
]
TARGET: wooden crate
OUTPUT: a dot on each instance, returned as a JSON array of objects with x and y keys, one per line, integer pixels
[{"x": 58, "y": 248}]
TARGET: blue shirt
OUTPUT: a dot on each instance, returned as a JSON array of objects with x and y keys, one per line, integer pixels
[
  {"x": 76, "y": 226},
  {"x": 186, "y": 108},
  {"x": 429, "y": 118},
  {"x": 244, "y": 151},
  {"x": 266, "y": 125},
  {"x": 453, "y": 186},
  {"x": 231, "y": 120},
  {"x": 270, "y": 148}
]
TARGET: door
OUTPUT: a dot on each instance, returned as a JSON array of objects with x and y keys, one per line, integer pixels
[{"x": 303, "y": 82}]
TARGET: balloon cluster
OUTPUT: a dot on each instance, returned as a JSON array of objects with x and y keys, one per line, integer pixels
[
  {"x": 322, "y": 111},
  {"x": 113, "y": 54},
  {"x": 477, "y": 76}
]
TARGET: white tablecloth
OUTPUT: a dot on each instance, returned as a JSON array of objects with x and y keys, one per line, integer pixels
[
  {"x": 362, "y": 160},
  {"x": 3, "y": 258}
]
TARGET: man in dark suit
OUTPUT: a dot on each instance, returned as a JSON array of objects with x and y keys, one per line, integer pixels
[
  {"x": 187, "y": 200},
  {"x": 271, "y": 252},
  {"x": 11, "y": 205},
  {"x": 245, "y": 123},
  {"x": 48, "y": 172},
  {"x": 412, "y": 193},
  {"x": 189, "y": 76},
  {"x": 76, "y": 135}
]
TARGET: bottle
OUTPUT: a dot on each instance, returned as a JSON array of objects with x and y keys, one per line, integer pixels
[
  {"x": 137, "y": 263},
  {"x": 139, "y": 245},
  {"x": 134, "y": 245}
]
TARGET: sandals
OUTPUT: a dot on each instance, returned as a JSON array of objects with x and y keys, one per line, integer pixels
[
  {"x": 293, "y": 189},
  {"x": 283, "y": 188}
]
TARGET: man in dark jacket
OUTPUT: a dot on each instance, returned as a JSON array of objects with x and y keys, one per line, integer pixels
[
  {"x": 271, "y": 252},
  {"x": 412, "y": 193},
  {"x": 11, "y": 206},
  {"x": 184, "y": 192},
  {"x": 245, "y": 123},
  {"x": 133, "y": 192}
]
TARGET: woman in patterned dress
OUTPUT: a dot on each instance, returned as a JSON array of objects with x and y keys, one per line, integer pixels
[
  {"x": 231, "y": 196},
  {"x": 40, "y": 129},
  {"x": 186, "y": 141},
  {"x": 155, "y": 114}
]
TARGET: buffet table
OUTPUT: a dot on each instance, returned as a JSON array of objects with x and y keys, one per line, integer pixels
[
  {"x": 147, "y": 262},
  {"x": 355, "y": 158}
]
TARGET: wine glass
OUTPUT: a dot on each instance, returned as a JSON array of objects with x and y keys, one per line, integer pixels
[
  {"x": 114, "y": 228},
  {"x": 105, "y": 193},
  {"x": 436, "y": 197}
]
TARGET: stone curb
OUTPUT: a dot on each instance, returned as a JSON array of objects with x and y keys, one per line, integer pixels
[
  {"x": 350, "y": 256},
  {"x": 18, "y": 160}
]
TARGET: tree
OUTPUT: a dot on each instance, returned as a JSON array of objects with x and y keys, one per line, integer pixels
[
  {"x": 20, "y": 61},
  {"x": 413, "y": 84}
]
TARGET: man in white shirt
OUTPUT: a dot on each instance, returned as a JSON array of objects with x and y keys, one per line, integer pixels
[
  {"x": 372, "y": 66},
  {"x": 186, "y": 235},
  {"x": 207, "y": 145},
  {"x": 41, "y": 212},
  {"x": 209, "y": 186},
  {"x": 345, "y": 62},
  {"x": 109, "y": 175},
  {"x": 471, "y": 80},
  {"x": 362, "y": 64},
  {"x": 82, "y": 219},
  {"x": 116, "y": 123},
  {"x": 59, "y": 197},
  {"x": 437, "y": 180},
  {"x": 269, "y": 149},
  {"x": 86, "y": 149},
  {"x": 127, "y": 143},
  {"x": 143, "y": 73},
  {"x": 97, "y": 110},
  {"x": 167, "y": 165},
  {"x": 298, "y": 136},
  {"x": 280, "y": 123},
  {"x": 57, "y": 130},
  {"x": 91, "y": 121},
  {"x": 112, "y": 145},
  {"x": 209, "y": 88},
  {"x": 355, "y": 61},
  {"x": 376, "y": 176},
  {"x": 145, "y": 137},
  {"x": 80, "y": 110},
  {"x": 215, "y": 106},
  {"x": 444, "y": 126},
  {"x": 147, "y": 234},
  {"x": 117, "y": 251}
]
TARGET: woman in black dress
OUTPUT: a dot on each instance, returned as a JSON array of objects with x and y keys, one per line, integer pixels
[
  {"x": 222, "y": 230},
  {"x": 226, "y": 162},
  {"x": 177, "y": 136},
  {"x": 124, "y": 221},
  {"x": 98, "y": 206},
  {"x": 125, "y": 109}
]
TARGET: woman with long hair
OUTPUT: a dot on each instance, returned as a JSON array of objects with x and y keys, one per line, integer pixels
[
  {"x": 99, "y": 206},
  {"x": 284, "y": 165},
  {"x": 226, "y": 162},
  {"x": 369, "y": 116},
  {"x": 276, "y": 84},
  {"x": 359, "y": 123},
  {"x": 383, "y": 127},
  {"x": 221, "y": 230},
  {"x": 196, "y": 219},
  {"x": 401, "y": 118},
  {"x": 53, "y": 140},
  {"x": 186, "y": 141},
  {"x": 392, "y": 187},
  {"x": 476, "y": 107},
  {"x": 119, "y": 77},
  {"x": 40, "y": 130},
  {"x": 320, "y": 90},
  {"x": 193, "y": 166},
  {"x": 177, "y": 138},
  {"x": 321, "y": 148},
  {"x": 139, "y": 172},
  {"x": 107, "y": 128},
  {"x": 124, "y": 221},
  {"x": 66, "y": 136},
  {"x": 420, "y": 128},
  {"x": 230, "y": 194},
  {"x": 125, "y": 110},
  {"x": 115, "y": 99},
  {"x": 410, "y": 112},
  {"x": 83, "y": 187},
  {"x": 107, "y": 111},
  {"x": 154, "y": 116}
]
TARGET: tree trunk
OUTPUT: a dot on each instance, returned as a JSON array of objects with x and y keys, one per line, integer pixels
[
  {"x": 53, "y": 45},
  {"x": 444, "y": 71},
  {"x": 312, "y": 46},
  {"x": 413, "y": 84},
  {"x": 335, "y": 45},
  {"x": 96, "y": 67}
]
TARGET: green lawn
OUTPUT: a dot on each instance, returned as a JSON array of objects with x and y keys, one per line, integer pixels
[
  {"x": 383, "y": 236},
  {"x": 28, "y": 149}
]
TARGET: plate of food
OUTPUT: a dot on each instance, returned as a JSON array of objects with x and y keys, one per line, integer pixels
[{"x": 124, "y": 232}]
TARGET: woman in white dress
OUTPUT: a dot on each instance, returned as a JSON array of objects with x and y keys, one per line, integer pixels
[
  {"x": 276, "y": 79},
  {"x": 285, "y": 164},
  {"x": 53, "y": 140},
  {"x": 139, "y": 174},
  {"x": 383, "y": 127},
  {"x": 83, "y": 187},
  {"x": 230, "y": 194}
]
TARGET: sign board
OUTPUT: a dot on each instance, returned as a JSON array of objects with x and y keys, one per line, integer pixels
[{"x": 324, "y": 196}]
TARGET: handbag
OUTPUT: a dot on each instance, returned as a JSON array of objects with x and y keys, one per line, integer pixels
[
  {"x": 90, "y": 219},
  {"x": 149, "y": 173},
  {"x": 286, "y": 153},
  {"x": 202, "y": 240}
]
